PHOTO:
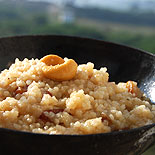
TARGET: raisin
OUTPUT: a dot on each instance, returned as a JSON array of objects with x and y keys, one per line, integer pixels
[
  {"x": 56, "y": 110},
  {"x": 44, "y": 118},
  {"x": 105, "y": 117},
  {"x": 47, "y": 92},
  {"x": 20, "y": 90}
]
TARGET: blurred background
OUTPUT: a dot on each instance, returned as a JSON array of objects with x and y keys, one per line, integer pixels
[{"x": 129, "y": 22}]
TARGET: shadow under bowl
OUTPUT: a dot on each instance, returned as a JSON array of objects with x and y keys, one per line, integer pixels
[{"x": 124, "y": 63}]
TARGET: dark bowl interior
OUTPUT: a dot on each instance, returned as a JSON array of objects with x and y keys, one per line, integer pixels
[{"x": 123, "y": 63}]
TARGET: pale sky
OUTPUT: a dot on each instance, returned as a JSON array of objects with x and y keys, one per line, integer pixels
[{"x": 117, "y": 4}]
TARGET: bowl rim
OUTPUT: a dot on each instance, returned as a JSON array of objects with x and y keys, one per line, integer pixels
[
  {"x": 119, "y": 132},
  {"x": 78, "y": 135},
  {"x": 78, "y": 37}
]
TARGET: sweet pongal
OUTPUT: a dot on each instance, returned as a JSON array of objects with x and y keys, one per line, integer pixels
[{"x": 56, "y": 96}]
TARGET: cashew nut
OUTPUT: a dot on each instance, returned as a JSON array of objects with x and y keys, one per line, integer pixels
[{"x": 59, "y": 69}]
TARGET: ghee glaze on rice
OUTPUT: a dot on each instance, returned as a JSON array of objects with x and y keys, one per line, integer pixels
[{"x": 85, "y": 104}]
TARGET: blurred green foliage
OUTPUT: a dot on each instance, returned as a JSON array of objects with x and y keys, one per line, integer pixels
[
  {"x": 150, "y": 151},
  {"x": 129, "y": 17},
  {"x": 39, "y": 25},
  {"x": 32, "y": 18}
]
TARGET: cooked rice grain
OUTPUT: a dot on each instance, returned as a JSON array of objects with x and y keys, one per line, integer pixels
[{"x": 87, "y": 104}]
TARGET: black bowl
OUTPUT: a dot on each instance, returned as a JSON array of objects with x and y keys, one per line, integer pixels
[{"x": 123, "y": 63}]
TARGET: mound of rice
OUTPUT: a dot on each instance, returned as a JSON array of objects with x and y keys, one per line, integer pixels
[{"x": 87, "y": 104}]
